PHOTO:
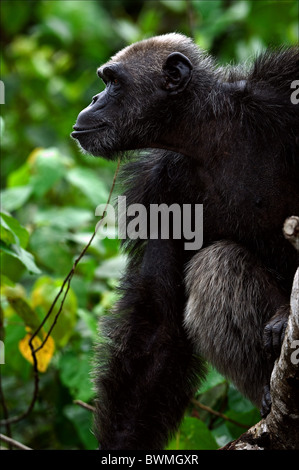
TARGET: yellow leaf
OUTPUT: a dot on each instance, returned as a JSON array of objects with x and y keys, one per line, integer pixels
[
  {"x": 43, "y": 356},
  {"x": 33, "y": 155}
]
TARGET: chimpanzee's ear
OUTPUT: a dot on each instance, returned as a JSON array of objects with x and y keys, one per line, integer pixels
[{"x": 177, "y": 72}]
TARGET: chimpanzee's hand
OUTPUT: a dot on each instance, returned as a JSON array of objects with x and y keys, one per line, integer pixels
[
  {"x": 273, "y": 337},
  {"x": 274, "y": 333}
]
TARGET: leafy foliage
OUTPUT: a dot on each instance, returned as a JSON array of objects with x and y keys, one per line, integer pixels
[{"x": 50, "y": 192}]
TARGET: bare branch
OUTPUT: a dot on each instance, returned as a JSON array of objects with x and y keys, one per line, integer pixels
[
  {"x": 13, "y": 443},
  {"x": 84, "y": 405},
  {"x": 217, "y": 413}
]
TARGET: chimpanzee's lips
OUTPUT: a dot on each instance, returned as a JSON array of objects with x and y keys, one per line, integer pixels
[{"x": 78, "y": 131}]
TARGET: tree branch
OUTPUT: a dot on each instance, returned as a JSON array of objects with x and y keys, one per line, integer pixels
[
  {"x": 217, "y": 413},
  {"x": 13, "y": 443},
  {"x": 84, "y": 405}
]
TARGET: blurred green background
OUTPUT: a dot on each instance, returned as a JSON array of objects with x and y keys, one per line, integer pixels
[{"x": 50, "y": 53}]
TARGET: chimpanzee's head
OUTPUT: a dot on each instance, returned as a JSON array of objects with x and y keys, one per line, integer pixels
[{"x": 150, "y": 88}]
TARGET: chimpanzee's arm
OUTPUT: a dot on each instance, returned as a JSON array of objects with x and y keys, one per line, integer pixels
[{"x": 147, "y": 372}]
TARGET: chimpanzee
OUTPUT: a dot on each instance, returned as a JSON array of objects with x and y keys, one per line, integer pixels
[{"x": 226, "y": 138}]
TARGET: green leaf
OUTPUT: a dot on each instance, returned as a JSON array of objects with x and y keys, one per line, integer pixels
[
  {"x": 75, "y": 375},
  {"x": 112, "y": 268},
  {"x": 89, "y": 183},
  {"x": 5, "y": 281},
  {"x": 237, "y": 401},
  {"x": 248, "y": 419},
  {"x": 90, "y": 321},
  {"x": 213, "y": 378},
  {"x": 14, "y": 361},
  {"x": 14, "y": 198},
  {"x": 177, "y": 6},
  {"x": 64, "y": 217},
  {"x": 6, "y": 249},
  {"x": 193, "y": 435},
  {"x": 83, "y": 423},
  {"x": 7, "y": 236},
  {"x": 22, "y": 255},
  {"x": 47, "y": 168},
  {"x": 50, "y": 248},
  {"x": 19, "y": 177},
  {"x": 26, "y": 258},
  {"x": 21, "y": 307},
  {"x": 19, "y": 233}
]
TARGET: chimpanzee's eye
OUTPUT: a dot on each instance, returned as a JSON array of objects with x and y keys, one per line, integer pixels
[{"x": 113, "y": 81}]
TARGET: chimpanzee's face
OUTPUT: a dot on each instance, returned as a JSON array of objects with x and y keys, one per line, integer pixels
[{"x": 133, "y": 110}]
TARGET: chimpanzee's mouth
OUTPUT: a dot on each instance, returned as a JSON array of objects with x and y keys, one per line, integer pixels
[{"x": 79, "y": 131}]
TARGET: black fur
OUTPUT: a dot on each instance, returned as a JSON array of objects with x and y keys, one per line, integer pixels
[{"x": 230, "y": 140}]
